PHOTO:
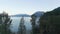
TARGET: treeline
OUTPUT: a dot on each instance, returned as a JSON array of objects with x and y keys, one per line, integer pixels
[{"x": 49, "y": 23}]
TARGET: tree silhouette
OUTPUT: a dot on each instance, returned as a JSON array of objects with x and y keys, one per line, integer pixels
[
  {"x": 5, "y": 24},
  {"x": 22, "y": 29},
  {"x": 35, "y": 28}
]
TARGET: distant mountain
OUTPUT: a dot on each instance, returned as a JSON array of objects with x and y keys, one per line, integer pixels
[
  {"x": 38, "y": 13},
  {"x": 20, "y": 15}
]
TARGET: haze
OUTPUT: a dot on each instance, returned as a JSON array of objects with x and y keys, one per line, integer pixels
[{"x": 13, "y": 7}]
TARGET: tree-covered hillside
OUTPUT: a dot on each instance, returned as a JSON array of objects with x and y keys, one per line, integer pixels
[{"x": 50, "y": 22}]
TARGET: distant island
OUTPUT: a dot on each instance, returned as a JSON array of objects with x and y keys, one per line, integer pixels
[{"x": 20, "y": 15}]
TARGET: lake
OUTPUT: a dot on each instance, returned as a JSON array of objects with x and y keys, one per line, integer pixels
[{"x": 16, "y": 22}]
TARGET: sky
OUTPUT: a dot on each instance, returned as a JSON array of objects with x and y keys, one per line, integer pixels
[{"x": 13, "y": 7}]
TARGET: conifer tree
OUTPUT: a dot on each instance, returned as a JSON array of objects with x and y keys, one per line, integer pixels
[
  {"x": 5, "y": 23},
  {"x": 22, "y": 29}
]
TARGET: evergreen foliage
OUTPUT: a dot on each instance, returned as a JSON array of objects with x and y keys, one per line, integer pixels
[
  {"x": 22, "y": 29},
  {"x": 50, "y": 22},
  {"x": 5, "y": 23}
]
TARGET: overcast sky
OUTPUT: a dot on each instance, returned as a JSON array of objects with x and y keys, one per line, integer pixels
[{"x": 27, "y": 6}]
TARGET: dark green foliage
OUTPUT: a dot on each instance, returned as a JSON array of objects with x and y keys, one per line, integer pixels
[
  {"x": 35, "y": 29},
  {"x": 4, "y": 26},
  {"x": 33, "y": 23},
  {"x": 22, "y": 28},
  {"x": 53, "y": 12},
  {"x": 50, "y": 22}
]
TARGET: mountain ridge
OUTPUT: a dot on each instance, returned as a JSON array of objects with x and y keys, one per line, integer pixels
[
  {"x": 20, "y": 15},
  {"x": 38, "y": 14}
]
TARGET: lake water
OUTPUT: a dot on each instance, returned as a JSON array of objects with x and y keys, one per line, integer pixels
[{"x": 16, "y": 21}]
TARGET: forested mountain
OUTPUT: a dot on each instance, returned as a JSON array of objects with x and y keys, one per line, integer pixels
[{"x": 50, "y": 22}]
